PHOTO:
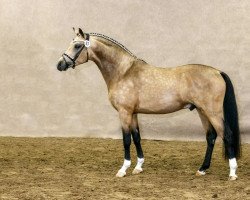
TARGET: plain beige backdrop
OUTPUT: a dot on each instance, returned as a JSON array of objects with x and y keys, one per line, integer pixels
[{"x": 38, "y": 100}]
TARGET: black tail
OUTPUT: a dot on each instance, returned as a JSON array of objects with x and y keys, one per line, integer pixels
[{"x": 232, "y": 131}]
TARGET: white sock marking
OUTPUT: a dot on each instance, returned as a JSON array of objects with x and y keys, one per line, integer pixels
[
  {"x": 125, "y": 166},
  {"x": 140, "y": 161},
  {"x": 233, "y": 167}
]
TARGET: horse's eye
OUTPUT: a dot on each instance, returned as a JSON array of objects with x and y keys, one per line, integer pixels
[{"x": 78, "y": 46}]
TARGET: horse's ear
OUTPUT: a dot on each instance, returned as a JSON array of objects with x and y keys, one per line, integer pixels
[{"x": 81, "y": 32}]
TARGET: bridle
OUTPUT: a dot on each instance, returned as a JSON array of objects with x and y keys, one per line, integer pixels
[{"x": 86, "y": 44}]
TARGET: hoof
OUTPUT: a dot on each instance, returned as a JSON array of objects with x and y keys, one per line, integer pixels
[
  {"x": 232, "y": 178},
  {"x": 137, "y": 171},
  {"x": 200, "y": 173},
  {"x": 120, "y": 174}
]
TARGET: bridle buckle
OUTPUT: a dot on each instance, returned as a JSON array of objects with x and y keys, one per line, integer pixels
[{"x": 87, "y": 43}]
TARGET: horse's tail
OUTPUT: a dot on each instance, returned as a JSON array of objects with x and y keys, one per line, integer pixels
[{"x": 231, "y": 120}]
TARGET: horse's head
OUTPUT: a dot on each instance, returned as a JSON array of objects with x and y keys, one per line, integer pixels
[{"x": 77, "y": 52}]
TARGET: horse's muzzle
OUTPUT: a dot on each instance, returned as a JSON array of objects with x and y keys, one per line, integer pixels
[{"x": 62, "y": 66}]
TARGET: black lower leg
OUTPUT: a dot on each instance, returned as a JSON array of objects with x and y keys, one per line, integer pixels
[
  {"x": 126, "y": 144},
  {"x": 137, "y": 141},
  {"x": 211, "y": 137}
]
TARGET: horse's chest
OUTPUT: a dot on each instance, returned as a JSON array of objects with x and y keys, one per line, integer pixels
[{"x": 123, "y": 97}]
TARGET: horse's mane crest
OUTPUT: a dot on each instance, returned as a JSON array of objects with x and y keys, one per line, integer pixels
[{"x": 115, "y": 42}]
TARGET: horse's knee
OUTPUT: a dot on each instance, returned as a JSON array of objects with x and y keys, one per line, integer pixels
[{"x": 136, "y": 136}]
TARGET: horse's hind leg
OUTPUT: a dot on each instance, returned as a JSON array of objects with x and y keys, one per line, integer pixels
[
  {"x": 224, "y": 131},
  {"x": 137, "y": 141},
  {"x": 210, "y": 137}
]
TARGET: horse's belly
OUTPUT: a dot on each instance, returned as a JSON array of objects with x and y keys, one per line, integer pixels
[{"x": 159, "y": 104}]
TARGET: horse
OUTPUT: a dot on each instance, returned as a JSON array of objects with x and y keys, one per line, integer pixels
[{"x": 134, "y": 87}]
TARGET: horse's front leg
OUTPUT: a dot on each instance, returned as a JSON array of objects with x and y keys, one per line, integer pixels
[
  {"x": 126, "y": 122},
  {"x": 137, "y": 141}
]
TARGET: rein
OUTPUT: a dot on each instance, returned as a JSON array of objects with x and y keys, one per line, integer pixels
[{"x": 73, "y": 60}]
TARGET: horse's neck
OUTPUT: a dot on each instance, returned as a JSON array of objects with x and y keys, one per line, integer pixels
[{"x": 112, "y": 61}]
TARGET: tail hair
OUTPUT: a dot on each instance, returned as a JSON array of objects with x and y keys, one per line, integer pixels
[{"x": 231, "y": 119}]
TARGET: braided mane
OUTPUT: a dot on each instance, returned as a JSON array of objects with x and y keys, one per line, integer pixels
[{"x": 115, "y": 42}]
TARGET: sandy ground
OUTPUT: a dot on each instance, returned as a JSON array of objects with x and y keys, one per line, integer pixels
[{"x": 80, "y": 168}]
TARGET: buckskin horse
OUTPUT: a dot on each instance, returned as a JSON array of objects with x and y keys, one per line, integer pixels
[{"x": 135, "y": 86}]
